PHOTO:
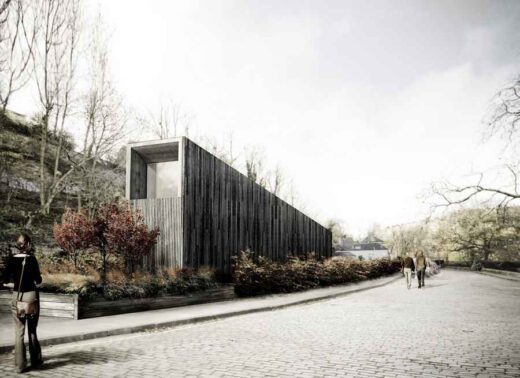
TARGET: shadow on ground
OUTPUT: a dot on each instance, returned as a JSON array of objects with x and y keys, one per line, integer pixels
[
  {"x": 430, "y": 285},
  {"x": 82, "y": 357}
]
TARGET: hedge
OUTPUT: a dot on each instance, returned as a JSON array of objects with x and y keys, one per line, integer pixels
[{"x": 263, "y": 276}]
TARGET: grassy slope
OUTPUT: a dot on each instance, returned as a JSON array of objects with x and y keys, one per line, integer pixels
[{"x": 19, "y": 163}]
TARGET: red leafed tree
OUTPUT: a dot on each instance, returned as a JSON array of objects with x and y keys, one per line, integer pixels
[
  {"x": 75, "y": 233},
  {"x": 124, "y": 233},
  {"x": 115, "y": 229}
]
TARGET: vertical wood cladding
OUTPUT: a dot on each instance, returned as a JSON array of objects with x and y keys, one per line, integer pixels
[
  {"x": 167, "y": 214},
  {"x": 226, "y": 212},
  {"x": 138, "y": 173}
]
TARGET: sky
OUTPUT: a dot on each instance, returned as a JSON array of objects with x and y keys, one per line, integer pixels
[{"x": 363, "y": 104}]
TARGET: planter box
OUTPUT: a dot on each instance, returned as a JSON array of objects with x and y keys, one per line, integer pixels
[
  {"x": 72, "y": 307},
  {"x": 102, "y": 307},
  {"x": 54, "y": 305}
]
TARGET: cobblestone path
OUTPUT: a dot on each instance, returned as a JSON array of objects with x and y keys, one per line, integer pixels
[{"x": 461, "y": 325}]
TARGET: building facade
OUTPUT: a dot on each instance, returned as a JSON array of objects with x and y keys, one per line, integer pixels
[{"x": 208, "y": 211}]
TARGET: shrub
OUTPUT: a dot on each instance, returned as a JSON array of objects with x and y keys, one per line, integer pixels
[
  {"x": 75, "y": 233},
  {"x": 266, "y": 276},
  {"x": 115, "y": 231},
  {"x": 121, "y": 285},
  {"x": 88, "y": 263},
  {"x": 122, "y": 230},
  {"x": 69, "y": 283}
]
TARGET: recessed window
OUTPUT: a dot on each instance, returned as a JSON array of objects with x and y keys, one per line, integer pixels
[{"x": 163, "y": 179}]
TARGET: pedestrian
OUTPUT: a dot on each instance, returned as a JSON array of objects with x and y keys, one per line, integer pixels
[
  {"x": 421, "y": 267},
  {"x": 22, "y": 269},
  {"x": 408, "y": 267}
]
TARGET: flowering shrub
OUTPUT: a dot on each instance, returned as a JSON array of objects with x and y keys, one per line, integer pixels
[{"x": 266, "y": 276}]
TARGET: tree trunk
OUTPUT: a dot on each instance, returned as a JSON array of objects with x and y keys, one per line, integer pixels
[{"x": 43, "y": 149}]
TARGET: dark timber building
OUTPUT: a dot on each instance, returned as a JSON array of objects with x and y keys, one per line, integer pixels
[{"x": 208, "y": 212}]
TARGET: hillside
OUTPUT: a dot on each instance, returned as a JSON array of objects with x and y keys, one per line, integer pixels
[{"x": 19, "y": 180}]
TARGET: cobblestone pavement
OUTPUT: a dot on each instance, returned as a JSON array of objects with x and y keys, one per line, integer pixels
[{"x": 461, "y": 325}]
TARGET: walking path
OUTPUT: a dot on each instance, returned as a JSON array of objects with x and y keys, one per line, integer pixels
[
  {"x": 462, "y": 324},
  {"x": 52, "y": 331}
]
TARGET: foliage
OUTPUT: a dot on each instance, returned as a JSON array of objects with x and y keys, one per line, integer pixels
[
  {"x": 68, "y": 283},
  {"x": 481, "y": 233},
  {"x": 115, "y": 231},
  {"x": 125, "y": 232},
  {"x": 405, "y": 240},
  {"x": 59, "y": 262},
  {"x": 75, "y": 233},
  {"x": 337, "y": 229},
  {"x": 135, "y": 285},
  {"x": 165, "y": 282},
  {"x": 265, "y": 276}
]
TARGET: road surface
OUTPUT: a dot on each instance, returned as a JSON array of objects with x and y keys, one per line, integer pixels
[{"x": 462, "y": 324}]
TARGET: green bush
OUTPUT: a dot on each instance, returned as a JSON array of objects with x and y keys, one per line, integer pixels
[{"x": 267, "y": 277}]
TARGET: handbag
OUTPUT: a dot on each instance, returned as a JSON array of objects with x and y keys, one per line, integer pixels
[{"x": 25, "y": 309}]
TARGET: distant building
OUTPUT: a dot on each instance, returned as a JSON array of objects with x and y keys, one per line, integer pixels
[
  {"x": 369, "y": 248},
  {"x": 345, "y": 254},
  {"x": 371, "y": 254},
  {"x": 346, "y": 243}
]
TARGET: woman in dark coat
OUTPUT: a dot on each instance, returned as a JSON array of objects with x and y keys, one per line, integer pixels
[{"x": 26, "y": 290}]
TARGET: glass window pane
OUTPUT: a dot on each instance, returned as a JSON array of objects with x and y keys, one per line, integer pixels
[{"x": 163, "y": 180}]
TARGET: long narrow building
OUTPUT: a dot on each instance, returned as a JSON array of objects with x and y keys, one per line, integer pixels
[{"x": 208, "y": 211}]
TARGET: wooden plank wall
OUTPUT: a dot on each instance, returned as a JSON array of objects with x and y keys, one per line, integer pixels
[
  {"x": 52, "y": 305},
  {"x": 167, "y": 214},
  {"x": 226, "y": 212},
  {"x": 138, "y": 174}
]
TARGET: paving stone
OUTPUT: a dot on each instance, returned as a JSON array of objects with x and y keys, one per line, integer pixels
[{"x": 461, "y": 325}]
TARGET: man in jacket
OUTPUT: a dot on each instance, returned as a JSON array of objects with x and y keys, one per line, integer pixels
[
  {"x": 408, "y": 267},
  {"x": 421, "y": 268}
]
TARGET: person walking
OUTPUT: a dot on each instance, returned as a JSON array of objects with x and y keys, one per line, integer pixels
[
  {"x": 421, "y": 268},
  {"x": 22, "y": 269},
  {"x": 408, "y": 267}
]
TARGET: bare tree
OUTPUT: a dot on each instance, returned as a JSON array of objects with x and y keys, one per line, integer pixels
[
  {"x": 276, "y": 181},
  {"x": 254, "y": 165},
  {"x": 223, "y": 150},
  {"x": 4, "y": 5},
  {"x": 54, "y": 58},
  {"x": 503, "y": 121},
  {"x": 291, "y": 195},
  {"x": 169, "y": 121},
  {"x": 409, "y": 239},
  {"x": 15, "y": 49},
  {"x": 504, "y": 118},
  {"x": 4, "y": 17},
  {"x": 337, "y": 229},
  {"x": 446, "y": 194},
  {"x": 105, "y": 119}
]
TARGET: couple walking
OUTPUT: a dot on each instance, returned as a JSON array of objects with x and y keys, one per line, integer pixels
[{"x": 409, "y": 266}]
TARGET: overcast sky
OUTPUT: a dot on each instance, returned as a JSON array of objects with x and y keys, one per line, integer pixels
[{"x": 363, "y": 103}]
